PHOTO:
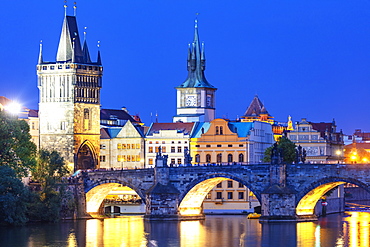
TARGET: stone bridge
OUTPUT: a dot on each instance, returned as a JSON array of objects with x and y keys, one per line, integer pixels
[{"x": 286, "y": 191}]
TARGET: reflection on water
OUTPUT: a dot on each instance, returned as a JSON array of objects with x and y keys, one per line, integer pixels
[{"x": 351, "y": 229}]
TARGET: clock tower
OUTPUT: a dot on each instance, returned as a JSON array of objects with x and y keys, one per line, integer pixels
[{"x": 195, "y": 96}]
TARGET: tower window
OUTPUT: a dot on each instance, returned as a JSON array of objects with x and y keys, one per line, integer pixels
[{"x": 86, "y": 119}]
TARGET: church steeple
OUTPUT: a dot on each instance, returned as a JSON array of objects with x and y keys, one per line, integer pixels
[{"x": 196, "y": 64}]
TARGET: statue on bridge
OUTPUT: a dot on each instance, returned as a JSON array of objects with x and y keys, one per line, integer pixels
[
  {"x": 300, "y": 155},
  {"x": 276, "y": 154},
  {"x": 187, "y": 156},
  {"x": 161, "y": 160}
]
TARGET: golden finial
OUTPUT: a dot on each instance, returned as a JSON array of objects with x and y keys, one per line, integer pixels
[
  {"x": 75, "y": 8},
  {"x": 98, "y": 44},
  {"x": 65, "y": 7},
  {"x": 196, "y": 20},
  {"x": 85, "y": 32}
]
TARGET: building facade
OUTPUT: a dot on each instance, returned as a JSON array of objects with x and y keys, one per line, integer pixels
[
  {"x": 224, "y": 142},
  {"x": 69, "y": 100},
  {"x": 320, "y": 140},
  {"x": 172, "y": 139},
  {"x": 122, "y": 147}
]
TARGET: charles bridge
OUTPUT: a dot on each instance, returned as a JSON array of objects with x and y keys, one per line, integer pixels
[{"x": 287, "y": 192}]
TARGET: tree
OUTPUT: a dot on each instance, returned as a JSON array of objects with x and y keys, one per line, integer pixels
[
  {"x": 50, "y": 168},
  {"x": 17, "y": 150},
  {"x": 47, "y": 203},
  {"x": 288, "y": 147},
  {"x": 13, "y": 196}
]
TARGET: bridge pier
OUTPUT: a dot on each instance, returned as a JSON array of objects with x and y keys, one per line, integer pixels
[{"x": 162, "y": 199}]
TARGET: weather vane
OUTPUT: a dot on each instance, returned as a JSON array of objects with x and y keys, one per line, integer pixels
[
  {"x": 85, "y": 32},
  {"x": 98, "y": 44}
]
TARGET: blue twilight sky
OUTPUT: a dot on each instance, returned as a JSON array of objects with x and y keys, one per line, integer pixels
[{"x": 304, "y": 58}]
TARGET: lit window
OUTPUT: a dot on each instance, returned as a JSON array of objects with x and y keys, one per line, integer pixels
[
  {"x": 119, "y": 145},
  {"x": 150, "y": 149},
  {"x": 132, "y": 146},
  {"x": 163, "y": 149},
  {"x": 157, "y": 149},
  {"x": 179, "y": 149},
  {"x": 123, "y": 146},
  {"x": 150, "y": 161},
  {"x": 179, "y": 161},
  {"x": 137, "y": 146}
]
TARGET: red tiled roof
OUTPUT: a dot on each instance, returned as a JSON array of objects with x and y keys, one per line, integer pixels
[
  {"x": 363, "y": 145},
  {"x": 182, "y": 127},
  {"x": 104, "y": 134},
  {"x": 4, "y": 100}
]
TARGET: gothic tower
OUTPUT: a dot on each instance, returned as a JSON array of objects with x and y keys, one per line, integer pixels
[
  {"x": 69, "y": 104},
  {"x": 195, "y": 96}
]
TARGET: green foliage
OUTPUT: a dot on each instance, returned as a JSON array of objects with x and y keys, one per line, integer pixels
[
  {"x": 46, "y": 204},
  {"x": 17, "y": 150},
  {"x": 13, "y": 196},
  {"x": 50, "y": 169},
  {"x": 288, "y": 147}
]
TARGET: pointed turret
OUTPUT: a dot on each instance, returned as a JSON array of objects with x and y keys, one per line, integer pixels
[
  {"x": 256, "y": 111},
  {"x": 40, "y": 61},
  {"x": 69, "y": 35},
  {"x": 196, "y": 64},
  {"x": 86, "y": 54}
]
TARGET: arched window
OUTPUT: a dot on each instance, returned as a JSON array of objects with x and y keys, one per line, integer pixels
[
  {"x": 219, "y": 158},
  {"x": 86, "y": 119},
  {"x": 217, "y": 131},
  {"x": 221, "y": 130},
  {"x": 197, "y": 158},
  {"x": 208, "y": 158},
  {"x": 241, "y": 157},
  {"x": 229, "y": 158}
]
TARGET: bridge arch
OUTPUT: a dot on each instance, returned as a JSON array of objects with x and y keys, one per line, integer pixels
[
  {"x": 97, "y": 191},
  {"x": 309, "y": 196},
  {"x": 191, "y": 199}
]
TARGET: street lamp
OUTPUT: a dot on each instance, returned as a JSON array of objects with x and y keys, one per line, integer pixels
[{"x": 338, "y": 153}]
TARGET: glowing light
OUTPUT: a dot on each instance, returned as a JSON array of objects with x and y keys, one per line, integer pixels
[
  {"x": 13, "y": 107},
  {"x": 338, "y": 152},
  {"x": 365, "y": 160},
  {"x": 306, "y": 205},
  {"x": 192, "y": 202}
]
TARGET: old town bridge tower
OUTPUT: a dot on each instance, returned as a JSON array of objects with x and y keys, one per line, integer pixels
[{"x": 69, "y": 103}]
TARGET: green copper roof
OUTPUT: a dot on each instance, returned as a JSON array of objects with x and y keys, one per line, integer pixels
[{"x": 196, "y": 64}]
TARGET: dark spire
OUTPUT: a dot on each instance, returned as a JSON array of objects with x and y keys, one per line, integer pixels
[
  {"x": 85, "y": 50},
  {"x": 196, "y": 64},
  {"x": 68, "y": 36},
  {"x": 40, "y": 54},
  {"x": 98, "y": 61}
]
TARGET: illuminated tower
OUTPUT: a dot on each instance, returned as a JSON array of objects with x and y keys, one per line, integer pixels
[
  {"x": 69, "y": 104},
  {"x": 195, "y": 96}
]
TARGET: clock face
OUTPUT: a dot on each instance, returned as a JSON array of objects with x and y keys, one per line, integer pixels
[{"x": 191, "y": 100}]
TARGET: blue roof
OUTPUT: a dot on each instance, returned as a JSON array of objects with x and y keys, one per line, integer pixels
[
  {"x": 198, "y": 129},
  {"x": 241, "y": 128},
  {"x": 113, "y": 132}
]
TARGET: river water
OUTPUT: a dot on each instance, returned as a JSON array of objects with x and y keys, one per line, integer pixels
[{"x": 349, "y": 229}]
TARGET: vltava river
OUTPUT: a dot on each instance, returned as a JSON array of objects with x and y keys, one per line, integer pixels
[{"x": 350, "y": 229}]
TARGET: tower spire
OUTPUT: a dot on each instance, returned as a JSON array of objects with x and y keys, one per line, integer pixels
[
  {"x": 99, "y": 58},
  {"x": 40, "y": 54},
  {"x": 196, "y": 62},
  {"x": 74, "y": 8},
  {"x": 85, "y": 50},
  {"x": 65, "y": 7}
]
